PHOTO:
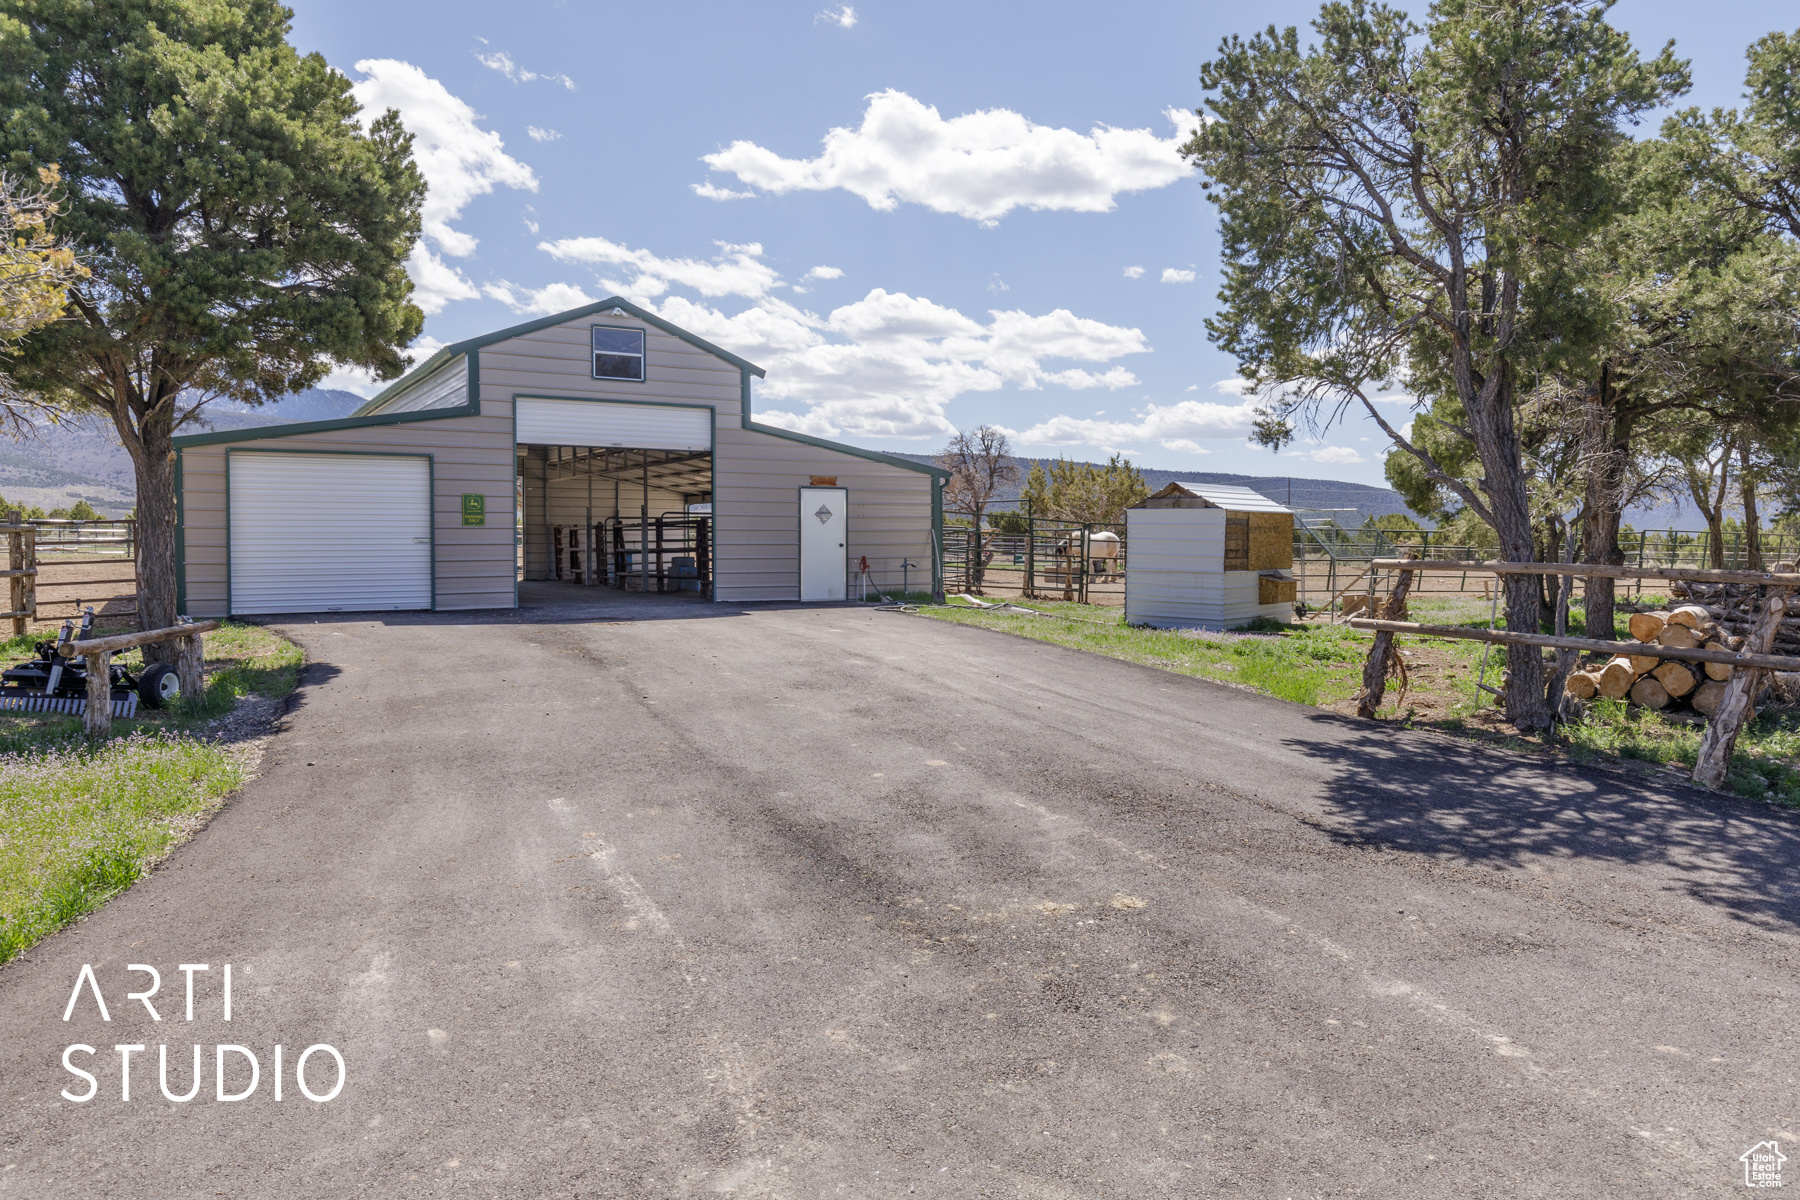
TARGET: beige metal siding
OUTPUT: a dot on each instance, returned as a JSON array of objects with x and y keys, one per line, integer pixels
[
  {"x": 558, "y": 361},
  {"x": 446, "y": 387},
  {"x": 470, "y": 454},
  {"x": 757, "y": 479}
]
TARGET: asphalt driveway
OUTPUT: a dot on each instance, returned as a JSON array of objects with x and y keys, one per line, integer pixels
[{"x": 666, "y": 900}]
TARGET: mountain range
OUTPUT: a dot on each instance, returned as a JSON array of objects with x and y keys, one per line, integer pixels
[
  {"x": 1313, "y": 499},
  {"x": 81, "y": 460}
]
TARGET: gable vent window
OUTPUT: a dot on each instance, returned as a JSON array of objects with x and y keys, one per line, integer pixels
[{"x": 618, "y": 353}]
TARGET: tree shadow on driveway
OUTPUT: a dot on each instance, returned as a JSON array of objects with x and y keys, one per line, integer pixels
[{"x": 1483, "y": 808}]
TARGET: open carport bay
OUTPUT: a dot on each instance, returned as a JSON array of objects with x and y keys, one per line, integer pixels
[{"x": 824, "y": 902}]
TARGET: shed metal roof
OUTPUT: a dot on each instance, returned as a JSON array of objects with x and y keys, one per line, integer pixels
[{"x": 1226, "y": 495}]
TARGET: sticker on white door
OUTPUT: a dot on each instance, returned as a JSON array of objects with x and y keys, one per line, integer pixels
[{"x": 824, "y": 543}]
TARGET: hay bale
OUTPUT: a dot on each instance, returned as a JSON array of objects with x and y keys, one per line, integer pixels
[
  {"x": 1646, "y": 625},
  {"x": 1648, "y": 693},
  {"x": 1677, "y": 679}
]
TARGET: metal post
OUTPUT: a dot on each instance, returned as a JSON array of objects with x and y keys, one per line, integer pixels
[
  {"x": 644, "y": 532},
  {"x": 1086, "y": 540},
  {"x": 1030, "y": 553}
]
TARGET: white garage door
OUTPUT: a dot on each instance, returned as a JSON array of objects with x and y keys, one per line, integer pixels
[
  {"x": 329, "y": 532},
  {"x": 597, "y": 423}
]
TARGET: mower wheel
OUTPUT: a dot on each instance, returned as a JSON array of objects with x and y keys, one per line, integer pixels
[{"x": 159, "y": 685}]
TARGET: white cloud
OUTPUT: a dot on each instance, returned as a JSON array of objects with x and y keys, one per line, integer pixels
[
  {"x": 435, "y": 282},
  {"x": 1179, "y": 426},
  {"x": 1171, "y": 275},
  {"x": 541, "y": 135},
  {"x": 708, "y": 192},
  {"x": 981, "y": 165},
  {"x": 552, "y": 298},
  {"x": 843, "y": 18},
  {"x": 503, "y": 62},
  {"x": 1336, "y": 455},
  {"x": 1134, "y": 272},
  {"x": 886, "y": 365},
  {"x": 363, "y": 382},
  {"x": 458, "y": 158},
  {"x": 735, "y": 271}
]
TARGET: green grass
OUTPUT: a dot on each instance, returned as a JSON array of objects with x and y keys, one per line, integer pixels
[
  {"x": 1304, "y": 664},
  {"x": 81, "y": 821},
  {"x": 1322, "y": 664}
]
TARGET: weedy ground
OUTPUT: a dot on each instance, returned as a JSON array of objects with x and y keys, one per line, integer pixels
[
  {"x": 81, "y": 821},
  {"x": 1318, "y": 663}
]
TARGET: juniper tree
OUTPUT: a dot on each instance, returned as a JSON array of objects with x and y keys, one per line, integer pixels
[
  {"x": 243, "y": 229},
  {"x": 1399, "y": 204}
]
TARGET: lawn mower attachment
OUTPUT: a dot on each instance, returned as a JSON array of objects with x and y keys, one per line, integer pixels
[{"x": 52, "y": 683}]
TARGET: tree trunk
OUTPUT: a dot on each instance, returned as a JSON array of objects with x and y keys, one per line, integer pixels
[
  {"x": 1606, "y": 441},
  {"x": 156, "y": 543},
  {"x": 1375, "y": 669},
  {"x": 149, "y": 439},
  {"x": 1753, "y": 555},
  {"x": 1508, "y": 500}
]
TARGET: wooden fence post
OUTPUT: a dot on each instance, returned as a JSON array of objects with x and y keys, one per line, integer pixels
[
  {"x": 96, "y": 720},
  {"x": 1720, "y": 739},
  {"x": 1375, "y": 670},
  {"x": 15, "y": 561},
  {"x": 190, "y": 665}
]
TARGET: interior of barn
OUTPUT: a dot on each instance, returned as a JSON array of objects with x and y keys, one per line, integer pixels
[{"x": 631, "y": 519}]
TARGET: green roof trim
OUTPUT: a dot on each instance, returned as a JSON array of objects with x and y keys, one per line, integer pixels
[
  {"x": 468, "y": 345},
  {"x": 808, "y": 439},
  {"x": 261, "y": 432}
]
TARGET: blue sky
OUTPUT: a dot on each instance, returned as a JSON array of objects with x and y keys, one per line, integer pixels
[{"x": 916, "y": 216}]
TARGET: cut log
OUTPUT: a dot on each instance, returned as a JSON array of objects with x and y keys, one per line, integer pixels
[
  {"x": 1614, "y": 680},
  {"x": 1717, "y": 670},
  {"x": 1649, "y": 693},
  {"x": 1646, "y": 625},
  {"x": 1707, "y": 696},
  {"x": 1582, "y": 685},
  {"x": 1691, "y": 615},
  {"x": 1643, "y": 664},
  {"x": 1679, "y": 636},
  {"x": 1677, "y": 679}
]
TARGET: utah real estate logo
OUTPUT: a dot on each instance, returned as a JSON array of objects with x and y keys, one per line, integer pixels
[{"x": 1762, "y": 1165}]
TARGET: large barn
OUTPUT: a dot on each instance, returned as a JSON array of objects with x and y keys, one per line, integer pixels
[{"x": 600, "y": 446}]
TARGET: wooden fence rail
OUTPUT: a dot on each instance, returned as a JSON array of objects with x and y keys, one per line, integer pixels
[
  {"x": 1740, "y": 690},
  {"x": 96, "y": 719}
]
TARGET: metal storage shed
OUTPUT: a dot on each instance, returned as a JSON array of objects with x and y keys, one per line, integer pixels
[
  {"x": 1208, "y": 556},
  {"x": 599, "y": 445}
]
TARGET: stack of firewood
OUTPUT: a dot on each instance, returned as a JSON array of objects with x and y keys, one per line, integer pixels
[
  {"x": 1652, "y": 682},
  {"x": 1732, "y": 606}
]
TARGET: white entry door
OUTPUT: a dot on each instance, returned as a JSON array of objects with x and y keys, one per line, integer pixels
[
  {"x": 824, "y": 556},
  {"x": 329, "y": 532}
]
